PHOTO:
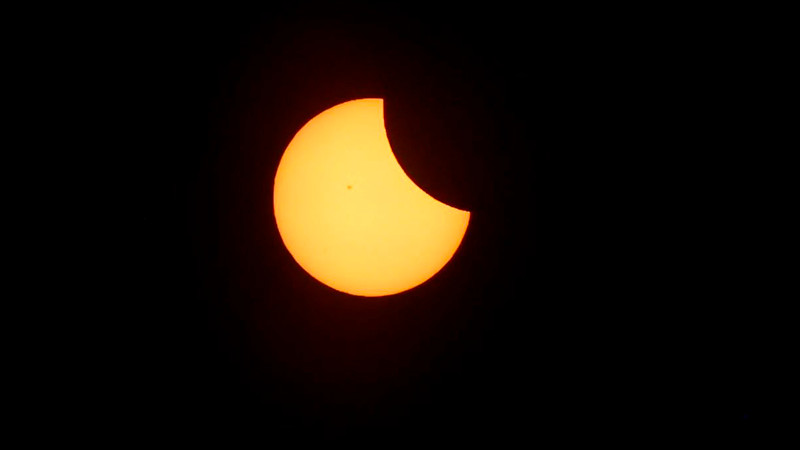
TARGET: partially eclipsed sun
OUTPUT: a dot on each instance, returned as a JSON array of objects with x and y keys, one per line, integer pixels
[{"x": 350, "y": 216}]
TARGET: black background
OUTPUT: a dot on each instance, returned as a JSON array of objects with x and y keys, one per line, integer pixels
[{"x": 613, "y": 278}]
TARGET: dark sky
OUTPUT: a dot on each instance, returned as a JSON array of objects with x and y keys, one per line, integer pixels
[{"x": 603, "y": 284}]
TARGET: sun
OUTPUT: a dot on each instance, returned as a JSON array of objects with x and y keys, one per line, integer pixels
[{"x": 348, "y": 213}]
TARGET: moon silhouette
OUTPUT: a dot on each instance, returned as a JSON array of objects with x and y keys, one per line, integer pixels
[{"x": 348, "y": 213}]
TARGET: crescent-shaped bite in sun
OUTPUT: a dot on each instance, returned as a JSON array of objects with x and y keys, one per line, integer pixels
[{"x": 348, "y": 213}]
